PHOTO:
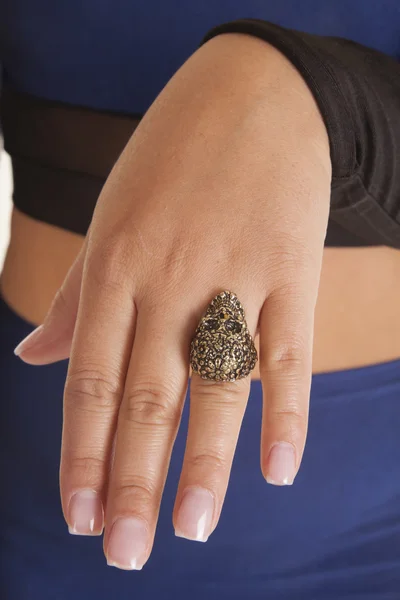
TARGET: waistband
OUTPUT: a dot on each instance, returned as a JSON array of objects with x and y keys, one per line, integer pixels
[
  {"x": 359, "y": 380},
  {"x": 62, "y": 155}
]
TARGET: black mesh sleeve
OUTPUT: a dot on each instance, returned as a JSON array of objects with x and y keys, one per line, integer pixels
[{"x": 357, "y": 90}]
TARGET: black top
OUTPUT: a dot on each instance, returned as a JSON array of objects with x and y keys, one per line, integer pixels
[{"x": 66, "y": 153}]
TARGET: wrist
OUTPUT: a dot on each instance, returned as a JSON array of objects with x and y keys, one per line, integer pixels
[{"x": 251, "y": 68}]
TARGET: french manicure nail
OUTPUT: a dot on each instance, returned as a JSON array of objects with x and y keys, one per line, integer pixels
[
  {"x": 127, "y": 544},
  {"x": 195, "y": 515},
  {"x": 281, "y": 464},
  {"x": 29, "y": 341},
  {"x": 85, "y": 513}
]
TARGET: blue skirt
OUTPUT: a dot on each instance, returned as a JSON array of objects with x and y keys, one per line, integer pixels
[{"x": 334, "y": 534}]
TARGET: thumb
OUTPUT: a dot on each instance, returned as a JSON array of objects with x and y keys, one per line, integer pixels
[{"x": 52, "y": 340}]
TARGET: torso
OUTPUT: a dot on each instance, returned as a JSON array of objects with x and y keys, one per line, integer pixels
[
  {"x": 118, "y": 55},
  {"x": 356, "y": 321}
]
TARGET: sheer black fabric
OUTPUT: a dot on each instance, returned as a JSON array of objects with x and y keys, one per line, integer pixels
[{"x": 61, "y": 156}]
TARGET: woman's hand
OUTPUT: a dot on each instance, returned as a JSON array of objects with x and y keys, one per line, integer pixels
[{"x": 225, "y": 184}]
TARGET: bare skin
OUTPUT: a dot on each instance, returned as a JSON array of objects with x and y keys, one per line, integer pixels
[
  {"x": 356, "y": 318},
  {"x": 224, "y": 185}
]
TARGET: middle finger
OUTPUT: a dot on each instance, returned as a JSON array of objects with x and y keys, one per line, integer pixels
[{"x": 216, "y": 413}]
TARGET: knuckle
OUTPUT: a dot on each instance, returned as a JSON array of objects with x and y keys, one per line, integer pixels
[
  {"x": 138, "y": 493},
  {"x": 289, "y": 248},
  {"x": 177, "y": 259},
  {"x": 289, "y": 358},
  {"x": 91, "y": 390},
  {"x": 208, "y": 461},
  {"x": 109, "y": 263},
  {"x": 291, "y": 261},
  {"x": 290, "y": 413},
  {"x": 289, "y": 419},
  {"x": 150, "y": 406},
  {"x": 86, "y": 468},
  {"x": 282, "y": 258},
  {"x": 219, "y": 391}
]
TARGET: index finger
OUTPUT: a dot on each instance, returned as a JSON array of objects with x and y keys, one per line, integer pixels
[{"x": 101, "y": 347}]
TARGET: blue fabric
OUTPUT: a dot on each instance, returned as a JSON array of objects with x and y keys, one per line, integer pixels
[
  {"x": 118, "y": 54},
  {"x": 334, "y": 534}
]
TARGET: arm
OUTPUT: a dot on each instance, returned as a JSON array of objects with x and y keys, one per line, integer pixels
[{"x": 357, "y": 90}]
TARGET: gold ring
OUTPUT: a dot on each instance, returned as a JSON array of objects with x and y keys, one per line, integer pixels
[{"x": 222, "y": 348}]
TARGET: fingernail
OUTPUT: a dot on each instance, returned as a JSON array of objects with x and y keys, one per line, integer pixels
[
  {"x": 195, "y": 515},
  {"x": 85, "y": 513},
  {"x": 281, "y": 464},
  {"x": 127, "y": 544},
  {"x": 29, "y": 341}
]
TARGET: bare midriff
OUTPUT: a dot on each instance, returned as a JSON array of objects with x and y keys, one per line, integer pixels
[{"x": 357, "y": 316}]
